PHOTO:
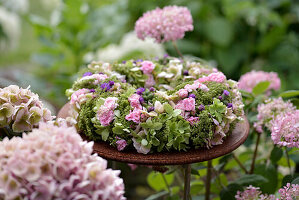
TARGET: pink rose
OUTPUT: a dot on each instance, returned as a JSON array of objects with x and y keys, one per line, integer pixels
[
  {"x": 187, "y": 104},
  {"x": 183, "y": 93},
  {"x": 134, "y": 101},
  {"x": 134, "y": 116},
  {"x": 106, "y": 118},
  {"x": 147, "y": 67}
]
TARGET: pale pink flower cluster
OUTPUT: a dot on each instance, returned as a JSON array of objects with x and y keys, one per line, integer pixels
[
  {"x": 167, "y": 24},
  {"x": 285, "y": 129},
  {"x": 249, "y": 80},
  {"x": 105, "y": 113},
  {"x": 54, "y": 163},
  {"x": 289, "y": 192},
  {"x": 218, "y": 77},
  {"x": 97, "y": 77},
  {"x": 20, "y": 109},
  {"x": 253, "y": 193},
  {"x": 134, "y": 115},
  {"x": 269, "y": 110},
  {"x": 147, "y": 67},
  {"x": 80, "y": 96},
  {"x": 187, "y": 104},
  {"x": 134, "y": 101}
]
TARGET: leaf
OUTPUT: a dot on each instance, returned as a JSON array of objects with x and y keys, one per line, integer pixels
[
  {"x": 276, "y": 154},
  {"x": 229, "y": 192},
  {"x": 176, "y": 112},
  {"x": 260, "y": 88},
  {"x": 251, "y": 179},
  {"x": 157, "y": 125},
  {"x": 105, "y": 134},
  {"x": 168, "y": 108},
  {"x": 118, "y": 129},
  {"x": 270, "y": 173},
  {"x": 156, "y": 181},
  {"x": 288, "y": 179},
  {"x": 157, "y": 196},
  {"x": 289, "y": 93},
  {"x": 196, "y": 187},
  {"x": 295, "y": 181}
]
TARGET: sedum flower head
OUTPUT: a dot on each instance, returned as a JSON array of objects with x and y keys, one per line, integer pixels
[
  {"x": 249, "y": 80},
  {"x": 54, "y": 163},
  {"x": 253, "y": 193},
  {"x": 290, "y": 191},
  {"x": 269, "y": 110},
  {"x": 285, "y": 129},
  {"x": 20, "y": 109},
  {"x": 167, "y": 24}
]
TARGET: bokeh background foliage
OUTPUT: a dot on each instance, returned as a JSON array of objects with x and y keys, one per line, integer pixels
[{"x": 235, "y": 35}]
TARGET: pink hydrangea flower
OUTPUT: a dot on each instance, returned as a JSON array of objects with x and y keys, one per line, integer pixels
[
  {"x": 253, "y": 193},
  {"x": 249, "y": 80},
  {"x": 217, "y": 77},
  {"x": 147, "y": 67},
  {"x": 285, "y": 129},
  {"x": 105, "y": 113},
  {"x": 167, "y": 24},
  {"x": 55, "y": 163},
  {"x": 150, "y": 81},
  {"x": 134, "y": 116},
  {"x": 183, "y": 93},
  {"x": 193, "y": 120},
  {"x": 187, "y": 104},
  {"x": 134, "y": 101},
  {"x": 290, "y": 191},
  {"x": 269, "y": 110},
  {"x": 121, "y": 144}
]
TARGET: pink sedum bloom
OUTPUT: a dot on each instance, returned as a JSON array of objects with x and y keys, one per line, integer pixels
[
  {"x": 134, "y": 101},
  {"x": 187, "y": 104},
  {"x": 147, "y": 67},
  {"x": 167, "y": 24},
  {"x": 285, "y": 129},
  {"x": 55, "y": 163},
  {"x": 134, "y": 116},
  {"x": 290, "y": 191},
  {"x": 249, "y": 80},
  {"x": 253, "y": 193}
]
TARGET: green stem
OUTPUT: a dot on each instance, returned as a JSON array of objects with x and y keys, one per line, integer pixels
[
  {"x": 288, "y": 159},
  {"x": 255, "y": 153},
  {"x": 208, "y": 181},
  {"x": 177, "y": 49},
  {"x": 239, "y": 163},
  {"x": 165, "y": 181}
]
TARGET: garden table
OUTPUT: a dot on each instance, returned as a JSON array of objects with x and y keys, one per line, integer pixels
[{"x": 232, "y": 142}]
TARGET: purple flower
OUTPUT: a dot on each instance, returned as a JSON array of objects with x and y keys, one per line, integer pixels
[
  {"x": 121, "y": 144},
  {"x": 186, "y": 73},
  {"x": 150, "y": 109},
  {"x": 101, "y": 73},
  {"x": 230, "y": 105},
  {"x": 111, "y": 83},
  {"x": 87, "y": 74},
  {"x": 152, "y": 89},
  {"x": 92, "y": 90},
  {"x": 192, "y": 95},
  {"x": 124, "y": 62},
  {"x": 225, "y": 92},
  {"x": 201, "y": 107},
  {"x": 124, "y": 81},
  {"x": 105, "y": 87},
  {"x": 141, "y": 99},
  {"x": 220, "y": 98},
  {"x": 165, "y": 55},
  {"x": 140, "y": 91},
  {"x": 139, "y": 60}
]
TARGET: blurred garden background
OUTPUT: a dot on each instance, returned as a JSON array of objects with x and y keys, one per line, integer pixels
[{"x": 44, "y": 43}]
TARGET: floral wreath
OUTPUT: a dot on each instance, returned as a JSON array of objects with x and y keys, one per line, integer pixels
[{"x": 154, "y": 106}]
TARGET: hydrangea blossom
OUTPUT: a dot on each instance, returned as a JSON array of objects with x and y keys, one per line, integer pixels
[
  {"x": 253, "y": 193},
  {"x": 249, "y": 80},
  {"x": 21, "y": 109},
  {"x": 285, "y": 129},
  {"x": 134, "y": 116},
  {"x": 269, "y": 110},
  {"x": 290, "y": 191},
  {"x": 167, "y": 24},
  {"x": 54, "y": 163},
  {"x": 187, "y": 104},
  {"x": 105, "y": 113},
  {"x": 134, "y": 101}
]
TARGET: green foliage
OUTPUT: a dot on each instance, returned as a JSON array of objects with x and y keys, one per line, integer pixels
[
  {"x": 156, "y": 180},
  {"x": 260, "y": 88}
]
